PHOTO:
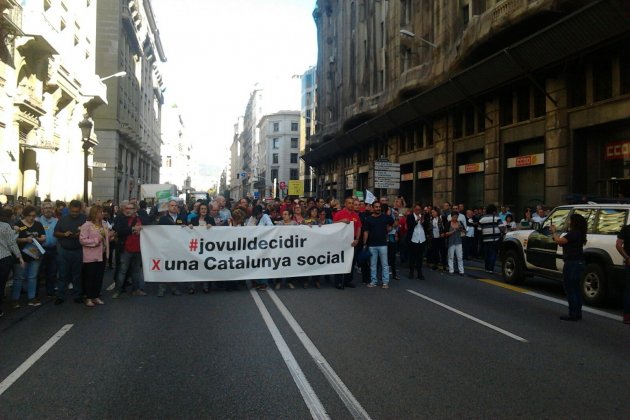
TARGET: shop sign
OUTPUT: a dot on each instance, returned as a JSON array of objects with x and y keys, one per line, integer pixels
[
  {"x": 617, "y": 150},
  {"x": 527, "y": 160},
  {"x": 471, "y": 168},
  {"x": 407, "y": 177},
  {"x": 296, "y": 187},
  {"x": 425, "y": 174}
]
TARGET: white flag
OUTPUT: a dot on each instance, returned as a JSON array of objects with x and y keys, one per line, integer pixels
[{"x": 369, "y": 197}]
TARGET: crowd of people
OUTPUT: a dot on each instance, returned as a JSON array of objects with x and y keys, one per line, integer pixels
[{"x": 77, "y": 244}]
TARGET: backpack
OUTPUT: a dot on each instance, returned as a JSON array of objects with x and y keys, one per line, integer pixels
[{"x": 132, "y": 243}]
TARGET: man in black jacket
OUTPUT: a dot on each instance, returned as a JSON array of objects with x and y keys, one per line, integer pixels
[
  {"x": 172, "y": 217},
  {"x": 416, "y": 240}
]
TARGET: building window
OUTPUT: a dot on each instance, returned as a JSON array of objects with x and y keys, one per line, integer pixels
[
  {"x": 624, "y": 70},
  {"x": 274, "y": 175},
  {"x": 274, "y": 158},
  {"x": 276, "y": 127},
  {"x": 469, "y": 120},
  {"x": 294, "y": 158},
  {"x": 457, "y": 124},
  {"x": 506, "y": 107},
  {"x": 293, "y": 174},
  {"x": 294, "y": 142},
  {"x": 405, "y": 12},
  {"x": 294, "y": 126},
  {"x": 576, "y": 85},
  {"x": 276, "y": 143},
  {"x": 522, "y": 103},
  {"x": 602, "y": 79}
]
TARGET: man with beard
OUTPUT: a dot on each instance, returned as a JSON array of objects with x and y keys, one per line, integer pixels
[{"x": 375, "y": 238}]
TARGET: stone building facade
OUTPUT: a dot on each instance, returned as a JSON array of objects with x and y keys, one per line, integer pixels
[
  {"x": 308, "y": 123},
  {"x": 176, "y": 150},
  {"x": 129, "y": 130},
  {"x": 48, "y": 85},
  {"x": 498, "y": 101},
  {"x": 278, "y": 153}
]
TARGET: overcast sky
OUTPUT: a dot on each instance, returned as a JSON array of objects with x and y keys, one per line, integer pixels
[{"x": 217, "y": 50}]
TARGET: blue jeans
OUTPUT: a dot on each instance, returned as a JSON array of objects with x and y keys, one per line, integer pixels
[
  {"x": 490, "y": 249},
  {"x": 70, "y": 263},
  {"x": 379, "y": 253},
  {"x": 130, "y": 262},
  {"x": 572, "y": 274},
  {"x": 28, "y": 274}
]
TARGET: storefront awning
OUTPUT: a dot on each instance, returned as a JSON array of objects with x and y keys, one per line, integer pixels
[{"x": 594, "y": 24}]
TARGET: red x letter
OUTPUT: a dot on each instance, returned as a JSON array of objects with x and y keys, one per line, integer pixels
[{"x": 156, "y": 265}]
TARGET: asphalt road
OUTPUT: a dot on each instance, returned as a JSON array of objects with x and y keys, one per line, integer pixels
[{"x": 446, "y": 347}]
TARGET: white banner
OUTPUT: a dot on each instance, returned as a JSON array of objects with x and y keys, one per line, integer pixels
[{"x": 181, "y": 254}]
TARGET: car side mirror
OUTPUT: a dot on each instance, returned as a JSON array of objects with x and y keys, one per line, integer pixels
[{"x": 536, "y": 226}]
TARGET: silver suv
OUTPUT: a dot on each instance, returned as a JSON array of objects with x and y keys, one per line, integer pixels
[{"x": 533, "y": 252}]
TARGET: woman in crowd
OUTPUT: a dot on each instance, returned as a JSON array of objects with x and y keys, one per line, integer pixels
[
  {"x": 509, "y": 224},
  {"x": 454, "y": 235},
  {"x": 526, "y": 221},
  {"x": 287, "y": 220},
  {"x": 392, "y": 240},
  {"x": 8, "y": 250},
  {"x": 322, "y": 219},
  {"x": 29, "y": 231},
  {"x": 311, "y": 216},
  {"x": 335, "y": 206},
  {"x": 573, "y": 254},
  {"x": 94, "y": 238},
  {"x": 201, "y": 218},
  {"x": 297, "y": 214}
]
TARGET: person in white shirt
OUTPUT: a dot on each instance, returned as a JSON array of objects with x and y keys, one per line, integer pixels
[{"x": 540, "y": 216}]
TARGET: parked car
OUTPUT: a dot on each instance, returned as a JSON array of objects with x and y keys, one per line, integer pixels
[{"x": 533, "y": 252}]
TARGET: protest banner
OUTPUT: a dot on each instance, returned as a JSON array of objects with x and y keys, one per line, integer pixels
[{"x": 182, "y": 254}]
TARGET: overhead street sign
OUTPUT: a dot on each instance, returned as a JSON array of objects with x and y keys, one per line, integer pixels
[
  {"x": 381, "y": 165},
  {"x": 387, "y": 184},
  {"x": 386, "y": 174}
]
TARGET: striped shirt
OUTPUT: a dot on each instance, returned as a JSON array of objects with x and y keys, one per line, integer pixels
[
  {"x": 489, "y": 225},
  {"x": 8, "y": 245}
]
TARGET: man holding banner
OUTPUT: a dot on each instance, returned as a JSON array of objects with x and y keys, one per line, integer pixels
[
  {"x": 172, "y": 217},
  {"x": 348, "y": 215}
]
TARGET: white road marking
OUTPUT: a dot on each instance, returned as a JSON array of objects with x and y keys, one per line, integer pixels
[
  {"x": 308, "y": 394},
  {"x": 584, "y": 308},
  {"x": 351, "y": 403},
  {"x": 21, "y": 370},
  {"x": 472, "y": 318}
]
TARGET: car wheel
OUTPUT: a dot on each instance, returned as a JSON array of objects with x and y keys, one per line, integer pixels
[
  {"x": 593, "y": 285},
  {"x": 512, "y": 268}
]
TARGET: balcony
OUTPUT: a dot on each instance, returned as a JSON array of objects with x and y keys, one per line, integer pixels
[
  {"x": 11, "y": 19},
  {"x": 506, "y": 8}
]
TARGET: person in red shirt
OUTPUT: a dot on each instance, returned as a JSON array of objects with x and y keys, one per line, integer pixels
[{"x": 347, "y": 215}]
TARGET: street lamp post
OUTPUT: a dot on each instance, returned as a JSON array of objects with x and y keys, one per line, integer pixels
[
  {"x": 119, "y": 74},
  {"x": 86, "y": 131}
]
